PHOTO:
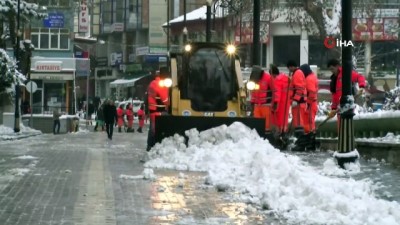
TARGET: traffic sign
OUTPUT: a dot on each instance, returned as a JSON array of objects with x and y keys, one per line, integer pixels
[{"x": 31, "y": 86}]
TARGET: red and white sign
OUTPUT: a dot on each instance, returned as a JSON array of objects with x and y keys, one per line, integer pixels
[
  {"x": 48, "y": 66},
  {"x": 83, "y": 22}
]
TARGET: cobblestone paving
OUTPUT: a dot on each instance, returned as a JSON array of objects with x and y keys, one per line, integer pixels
[{"x": 85, "y": 179}]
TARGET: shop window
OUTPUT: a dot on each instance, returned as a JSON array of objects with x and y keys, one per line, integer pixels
[
  {"x": 50, "y": 38},
  {"x": 286, "y": 48}
]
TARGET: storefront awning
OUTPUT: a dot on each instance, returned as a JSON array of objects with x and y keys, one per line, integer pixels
[{"x": 124, "y": 82}]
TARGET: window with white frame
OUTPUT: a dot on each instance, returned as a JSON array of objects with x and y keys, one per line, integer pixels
[{"x": 50, "y": 38}]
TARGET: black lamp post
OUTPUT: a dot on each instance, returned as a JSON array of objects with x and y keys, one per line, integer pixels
[
  {"x": 346, "y": 145},
  {"x": 256, "y": 32},
  {"x": 17, "y": 88}
]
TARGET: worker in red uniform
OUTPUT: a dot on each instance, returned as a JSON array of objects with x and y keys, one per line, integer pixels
[
  {"x": 261, "y": 98},
  {"x": 298, "y": 98},
  {"x": 120, "y": 118},
  {"x": 312, "y": 107},
  {"x": 141, "y": 117},
  {"x": 297, "y": 95},
  {"x": 129, "y": 117},
  {"x": 336, "y": 85},
  {"x": 280, "y": 106},
  {"x": 158, "y": 102}
]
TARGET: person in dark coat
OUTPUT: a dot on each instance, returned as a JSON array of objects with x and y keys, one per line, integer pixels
[{"x": 110, "y": 116}]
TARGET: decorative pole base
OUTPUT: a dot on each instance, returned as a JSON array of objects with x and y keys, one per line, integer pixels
[{"x": 345, "y": 158}]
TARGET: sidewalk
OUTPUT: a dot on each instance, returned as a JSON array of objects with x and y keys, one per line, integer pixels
[{"x": 82, "y": 178}]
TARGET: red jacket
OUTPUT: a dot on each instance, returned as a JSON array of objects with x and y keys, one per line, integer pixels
[
  {"x": 157, "y": 96},
  {"x": 336, "y": 89},
  {"x": 281, "y": 88},
  {"x": 263, "y": 95},
  {"x": 312, "y": 88},
  {"x": 297, "y": 87}
]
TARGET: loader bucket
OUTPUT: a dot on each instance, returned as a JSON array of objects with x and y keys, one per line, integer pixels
[{"x": 167, "y": 125}]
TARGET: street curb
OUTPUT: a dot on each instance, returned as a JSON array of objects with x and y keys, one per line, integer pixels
[{"x": 18, "y": 137}]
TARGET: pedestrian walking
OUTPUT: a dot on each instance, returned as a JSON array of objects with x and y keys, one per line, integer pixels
[
  {"x": 56, "y": 121},
  {"x": 141, "y": 118},
  {"x": 110, "y": 117},
  {"x": 100, "y": 118}
]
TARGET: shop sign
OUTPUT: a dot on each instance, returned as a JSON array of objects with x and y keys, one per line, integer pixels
[
  {"x": 377, "y": 29},
  {"x": 142, "y": 50},
  {"x": 54, "y": 20},
  {"x": 131, "y": 68},
  {"x": 82, "y": 67},
  {"x": 83, "y": 23},
  {"x": 116, "y": 58},
  {"x": 51, "y": 66},
  {"x": 117, "y": 27}
]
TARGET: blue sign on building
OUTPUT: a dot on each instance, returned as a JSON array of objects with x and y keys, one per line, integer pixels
[{"x": 54, "y": 20}]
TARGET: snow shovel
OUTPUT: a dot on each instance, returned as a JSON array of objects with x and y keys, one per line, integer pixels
[{"x": 323, "y": 122}]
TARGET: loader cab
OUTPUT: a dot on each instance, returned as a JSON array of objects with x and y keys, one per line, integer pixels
[{"x": 207, "y": 77}]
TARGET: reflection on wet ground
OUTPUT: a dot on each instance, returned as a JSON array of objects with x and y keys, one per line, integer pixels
[{"x": 185, "y": 199}]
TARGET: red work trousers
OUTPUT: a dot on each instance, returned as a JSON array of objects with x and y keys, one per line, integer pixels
[
  {"x": 263, "y": 111},
  {"x": 309, "y": 117},
  {"x": 153, "y": 121},
  {"x": 297, "y": 115}
]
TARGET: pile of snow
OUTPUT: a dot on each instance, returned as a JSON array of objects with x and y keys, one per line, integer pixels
[
  {"x": 236, "y": 158},
  {"x": 7, "y": 133},
  {"x": 392, "y": 101}
]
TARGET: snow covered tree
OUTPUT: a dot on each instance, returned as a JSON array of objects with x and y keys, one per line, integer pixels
[{"x": 8, "y": 31}]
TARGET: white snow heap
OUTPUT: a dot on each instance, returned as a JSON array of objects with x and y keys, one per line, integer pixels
[{"x": 237, "y": 159}]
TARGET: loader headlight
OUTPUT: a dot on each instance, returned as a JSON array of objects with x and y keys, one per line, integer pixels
[
  {"x": 231, "y": 49},
  {"x": 251, "y": 85},
  {"x": 167, "y": 82},
  {"x": 188, "y": 48}
]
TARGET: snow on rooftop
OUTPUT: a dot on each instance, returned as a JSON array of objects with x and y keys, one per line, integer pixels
[{"x": 197, "y": 14}]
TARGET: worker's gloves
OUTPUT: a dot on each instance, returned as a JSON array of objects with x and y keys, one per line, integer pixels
[
  {"x": 295, "y": 103},
  {"x": 332, "y": 114}
]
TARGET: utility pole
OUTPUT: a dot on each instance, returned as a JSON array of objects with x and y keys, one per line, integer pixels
[
  {"x": 346, "y": 145},
  {"x": 256, "y": 33},
  {"x": 208, "y": 22},
  {"x": 185, "y": 31},
  {"x": 168, "y": 26},
  {"x": 17, "y": 88}
]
